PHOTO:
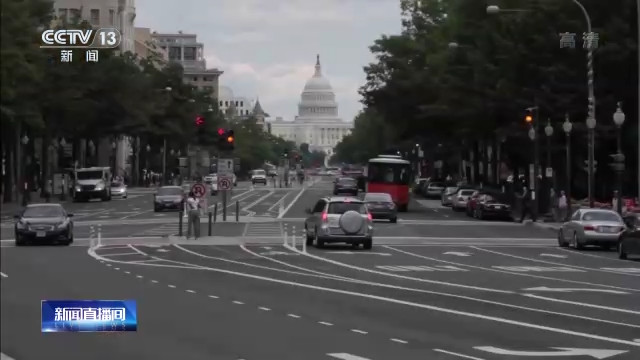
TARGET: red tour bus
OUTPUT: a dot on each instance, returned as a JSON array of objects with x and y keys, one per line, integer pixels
[{"x": 390, "y": 174}]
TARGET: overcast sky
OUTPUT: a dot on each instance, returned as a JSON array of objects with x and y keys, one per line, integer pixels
[{"x": 268, "y": 48}]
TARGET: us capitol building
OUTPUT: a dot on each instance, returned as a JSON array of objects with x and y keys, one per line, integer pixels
[{"x": 317, "y": 122}]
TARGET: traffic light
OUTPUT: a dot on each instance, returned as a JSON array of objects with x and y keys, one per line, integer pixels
[
  {"x": 200, "y": 132},
  {"x": 528, "y": 117},
  {"x": 226, "y": 140}
]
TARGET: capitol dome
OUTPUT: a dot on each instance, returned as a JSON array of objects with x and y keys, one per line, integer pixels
[
  {"x": 225, "y": 93},
  {"x": 317, "y": 99}
]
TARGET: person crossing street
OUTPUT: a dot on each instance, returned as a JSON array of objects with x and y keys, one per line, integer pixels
[{"x": 193, "y": 216}]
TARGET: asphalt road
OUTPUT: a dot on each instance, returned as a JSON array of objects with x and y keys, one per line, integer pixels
[{"x": 409, "y": 302}]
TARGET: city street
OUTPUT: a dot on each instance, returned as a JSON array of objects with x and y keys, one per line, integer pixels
[{"x": 433, "y": 287}]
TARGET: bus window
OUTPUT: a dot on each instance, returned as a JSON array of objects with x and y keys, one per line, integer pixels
[{"x": 388, "y": 173}]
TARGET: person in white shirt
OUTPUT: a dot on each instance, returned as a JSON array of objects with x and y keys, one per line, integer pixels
[
  {"x": 193, "y": 213},
  {"x": 563, "y": 206}
]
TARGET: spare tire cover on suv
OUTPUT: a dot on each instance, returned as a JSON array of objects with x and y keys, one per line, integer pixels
[{"x": 351, "y": 222}]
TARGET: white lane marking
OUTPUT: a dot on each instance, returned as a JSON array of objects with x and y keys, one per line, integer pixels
[
  {"x": 293, "y": 316},
  {"x": 579, "y": 303},
  {"x": 116, "y": 268},
  {"x": 551, "y": 262},
  {"x": 4, "y": 356},
  {"x": 154, "y": 281},
  {"x": 565, "y": 290},
  {"x": 345, "y": 356},
  {"x": 122, "y": 254},
  {"x": 264, "y": 308},
  {"x": 457, "y": 253},
  {"x": 140, "y": 252},
  {"x": 592, "y": 255},
  {"x": 636, "y": 340},
  {"x": 238, "y": 302},
  {"x": 171, "y": 286},
  {"x": 232, "y": 198},
  {"x": 339, "y": 278},
  {"x": 91, "y": 214},
  {"x": 277, "y": 203},
  {"x": 594, "y": 353},
  {"x": 293, "y": 201},
  {"x": 190, "y": 291},
  {"x": 127, "y": 272},
  {"x": 396, "y": 275},
  {"x": 260, "y": 199},
  {"x": 359, "y": 331},
  {"x": 457, "y": 354},
  {"x": 139, "y": 276},
  {"x": 214, "y": 297},
  {"x": 399, "y": 341},
  {"x": 509, "y": 272},
  {"x": 325, "y": 323},
  {"x": 554, "y": 256},
  {"x": 497, "y": 319},
  {"x": 3, "y": 275}
]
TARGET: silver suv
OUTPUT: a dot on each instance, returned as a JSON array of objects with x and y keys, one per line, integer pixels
[{"x": 339, "y": 220}]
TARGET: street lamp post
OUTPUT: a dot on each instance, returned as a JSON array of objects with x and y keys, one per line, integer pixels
[
  {"x": 618, "y": 166},
  {"x": 533, "y": 135},
  {"x": 164, "y": 162},
  {"x": 148, "y": 179},
  {"x": 63, "y": 193},
  {"x": 591, "y": 116},
  {"x": 567, "y": 126},
  {"x": 548, "y": 130},
  {"x": 113, "y": 158},
  {"x": 25, "y": 186}
]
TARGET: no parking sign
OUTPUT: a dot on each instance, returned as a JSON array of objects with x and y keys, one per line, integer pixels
[{"x": 199, "y": 190}]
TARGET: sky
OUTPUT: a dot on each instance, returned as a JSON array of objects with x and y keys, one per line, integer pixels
[{"x": 267, "y": 48}]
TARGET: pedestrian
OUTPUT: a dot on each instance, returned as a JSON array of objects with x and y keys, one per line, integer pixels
[
  {"x": 525, "y": 204},
  {"x": 193, "y": 208},
  {"x": 563, "y": 206}
]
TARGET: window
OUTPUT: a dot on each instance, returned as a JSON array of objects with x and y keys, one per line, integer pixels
[
  {"x": 319, "y": 207},
  {"x": 220, "y": 102},
  {"x": 236, "y": 104},
  {"x": 601, "y": 216},
  {"x": 241, "y": 103},
  {"x": 377, "y": 197},
  {"x": 175, "y": 53},
  {"x": 170, "y": 191},
  {"x": 226, "y": 103},
  {"x": 95, "y": 17},
  {"x": 195, "y": 78},
  {"x": 44, "y": 211},
  {"x": 190, "y": 53},
  {"x": 112, "y": 17},
  {"x": 63, "y": 14},
  {"x": 343, "y": 207},
  {"x": 206, "y": 78},
  {"x": 391, "y": 173}
]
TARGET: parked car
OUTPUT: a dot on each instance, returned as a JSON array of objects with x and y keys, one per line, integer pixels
[
  {"x": 491, "y": 207},
  {"x": 433, "y": 190},
  {"x": 629, "y": 242},
  {"x": 600, "y": 227},
  {"x": 43, "y": 224},
  {"x": 339, "y": 220},
  {"x": 381, "y": 206},
  {"x": 447, "y": 195},
  {"x": 460, "y": 198},
  {"x": 419, "y": 184},
  {"x": 472, "y": 202}
]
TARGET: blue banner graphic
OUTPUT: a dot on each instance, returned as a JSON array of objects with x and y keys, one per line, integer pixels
[{"x": 89, "y": 315}]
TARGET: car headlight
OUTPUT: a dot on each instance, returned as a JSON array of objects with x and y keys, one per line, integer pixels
[
  {"x": 63, "y": 225},
  {"x": 21, "y": 225},
  {"x": 78, "y": 188},
  {"x": 99, "y": 187}
]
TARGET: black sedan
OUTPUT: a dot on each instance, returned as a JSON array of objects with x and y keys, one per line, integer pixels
[
  {"x": 629, "y": 243},
  {"x": 43, "y": 224},
  {"x": 345, "y": 185},
  {"x": 489, "y": 207},
  {"x": 168, "y": 198},
  {"x": 381, "y": 206}
]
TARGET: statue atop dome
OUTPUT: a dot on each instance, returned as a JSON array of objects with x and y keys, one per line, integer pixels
[{"x": 318, "y": 72}]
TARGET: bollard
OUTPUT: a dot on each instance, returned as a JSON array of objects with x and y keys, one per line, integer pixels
[
  {"x": 293, "y": 237},
  {"x": 215, "y": 212},
  {"x": 180, "y": 221},
  {"x": 210, "y": 223},
  {"x": 99, "y": 235},
  {"x": 304, "y": 240},
  {"x": 237, "y": 211},
  {"x": 92, "y": 233},
  {"x": 285, "y": 230}
]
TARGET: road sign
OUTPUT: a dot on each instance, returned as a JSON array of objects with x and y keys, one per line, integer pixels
[
  {"x": 225, "y": 167},
  {"x": 224, "y": 183},
  {"x": 199, "y": 190}
]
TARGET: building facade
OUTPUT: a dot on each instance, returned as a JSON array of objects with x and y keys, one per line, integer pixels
[
  {"x": 186, "y": 50},
  {"x": 146, "y": 46},
  {"x": 231, "y": 104},
  {"x": 317, "y": 123}
]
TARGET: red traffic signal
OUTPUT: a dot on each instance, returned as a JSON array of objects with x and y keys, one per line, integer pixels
[
  {"x": 220, "y": 132},
  {"x": 199, "y": 120}
]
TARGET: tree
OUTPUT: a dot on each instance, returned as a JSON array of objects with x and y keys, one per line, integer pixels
[
  {"x": 310, "y": 158},
  {"x": 461, "y": 96},
  {"x": 367, "y": 139}
]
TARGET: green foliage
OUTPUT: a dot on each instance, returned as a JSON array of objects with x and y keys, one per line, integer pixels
[
  {"x": 429, "y": 92},
  {"x": 313, "y": 158}
]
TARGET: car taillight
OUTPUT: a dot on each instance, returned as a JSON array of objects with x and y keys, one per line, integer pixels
[
  {"x": 589, "y": 228},
  {"x": 369, "y": 217},
  {"x": 325, "y": 217}
]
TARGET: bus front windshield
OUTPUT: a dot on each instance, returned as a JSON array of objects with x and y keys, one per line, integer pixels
[{"x": 388, "y": 173}]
